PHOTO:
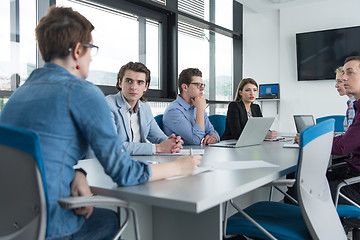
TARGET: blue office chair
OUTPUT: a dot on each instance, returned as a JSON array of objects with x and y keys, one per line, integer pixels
[
  {"x": 277, "y": 220},
  {"x": 159, "y": 121},
  {"x": 339, "y": 122},
  {"x": 219, "y": 122},
  {"x": 24, "y": 192}
]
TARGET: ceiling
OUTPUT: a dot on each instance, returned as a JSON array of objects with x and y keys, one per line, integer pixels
[{"x": 271, "y": 5}]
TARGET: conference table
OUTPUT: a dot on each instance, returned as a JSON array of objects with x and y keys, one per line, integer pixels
[{"x": 191, "y": 207}]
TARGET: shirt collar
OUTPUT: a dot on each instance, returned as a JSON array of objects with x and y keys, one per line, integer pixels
[
  {"x": 356, "y": 105},
  {"x": 128, "y": 107},
  {"x": 183, "y": 103},
  {"x": 352, "y": 99}
]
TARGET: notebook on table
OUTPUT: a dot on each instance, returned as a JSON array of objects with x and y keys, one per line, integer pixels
[{"x": 253, "y": 133}]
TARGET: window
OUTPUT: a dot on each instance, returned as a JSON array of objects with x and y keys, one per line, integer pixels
[
  {"x": 211, "y": 49},
  {"x": 196, "y": 56},
  {"x": 152, "y": 53},
  {"x": 121, "y": 44},
  {"x": 167, "y": 36},
  {"x": 223, "y": 68},
  {"x": 17, "y": 39}
]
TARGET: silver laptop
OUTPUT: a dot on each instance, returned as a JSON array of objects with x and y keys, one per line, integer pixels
[
  {"x": 303, "y": 121},
  {"x": 253, "y": 133}
]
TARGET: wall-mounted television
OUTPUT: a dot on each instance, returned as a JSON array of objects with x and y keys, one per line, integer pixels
[{"x": 320, "y": 53}]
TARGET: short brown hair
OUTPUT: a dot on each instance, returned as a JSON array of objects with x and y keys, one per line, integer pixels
[
  {"x": 352, "y": 58},
  {"x": 241, "y": 85},
  {"x": 136, "y": 67},
  {"x": 186, "y": 75},
  {"x": 60, "y": 30}
]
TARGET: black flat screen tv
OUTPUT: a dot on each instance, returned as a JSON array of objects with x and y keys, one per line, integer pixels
[{"x": 320, "y": 53}]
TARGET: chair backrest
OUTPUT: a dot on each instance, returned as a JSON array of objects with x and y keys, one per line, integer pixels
[
  {"x": 159, "y": 121},
  {"x": 313, "y": 189},
  {"x": 339, "y": 121},
  {"x": 219, "y": 122},
  {"x": 23, "y": 199}
]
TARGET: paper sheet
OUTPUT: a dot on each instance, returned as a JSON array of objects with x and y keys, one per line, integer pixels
[
  {"x": 236, "y": 165},
  {"x": 294, "y": 145},
  {"x": 231, "y": 165}
]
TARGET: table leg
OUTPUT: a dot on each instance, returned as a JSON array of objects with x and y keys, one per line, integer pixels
[{"x": 176, "y": 225}]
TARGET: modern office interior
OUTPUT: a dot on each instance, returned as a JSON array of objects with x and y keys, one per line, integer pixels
[{"x": 227, "y": 40}]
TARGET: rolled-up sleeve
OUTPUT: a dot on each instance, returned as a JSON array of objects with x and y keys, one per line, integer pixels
[{"x": 181, "y": 124}]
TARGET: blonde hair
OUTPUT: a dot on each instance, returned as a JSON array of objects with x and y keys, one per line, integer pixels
[
  {"x": 241, "y": 85},
  {"x": 339, "y": 70}
]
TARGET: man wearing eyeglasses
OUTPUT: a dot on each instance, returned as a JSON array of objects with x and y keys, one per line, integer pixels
[
  {"x": 132, "y": 116},
  {"x": 186, "y": 115}
]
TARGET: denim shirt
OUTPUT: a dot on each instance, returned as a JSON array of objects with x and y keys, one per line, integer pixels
[
  {"x": 69, "y": 114},
  {"x": 179, "y": 118}
]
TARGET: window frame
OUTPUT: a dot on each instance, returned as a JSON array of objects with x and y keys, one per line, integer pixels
[{"x": 168, "y": 15}]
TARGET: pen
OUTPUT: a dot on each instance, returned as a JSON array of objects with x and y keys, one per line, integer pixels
[{"x": 191, "y": 152}]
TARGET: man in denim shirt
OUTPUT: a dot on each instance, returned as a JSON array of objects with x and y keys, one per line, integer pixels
[
  {"x": 70, "y": 113},
  {"x": 186, "y": 116}
]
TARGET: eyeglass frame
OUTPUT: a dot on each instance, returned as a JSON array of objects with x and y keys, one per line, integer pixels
[
  {"x": 199, "y": 85},
  {"x": 89, "y": 45}
]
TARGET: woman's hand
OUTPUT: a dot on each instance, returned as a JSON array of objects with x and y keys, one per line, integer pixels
[
  {"x": 79, "y": 187},
  {"x": 271, "y": 135}
]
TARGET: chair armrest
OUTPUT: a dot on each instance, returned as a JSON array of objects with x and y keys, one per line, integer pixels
[
  {"x": 346, "y": 182},
  {"x": 84, "y": 201},
  {"x": 353, "y": 180},
  {"x": 282, "y": 182},
  {"x": 336, "y": 165}
]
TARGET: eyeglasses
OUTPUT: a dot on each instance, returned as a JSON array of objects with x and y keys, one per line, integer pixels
[
  {"x": 93, "y": 49},
  {"x": 199, "y": 85}
]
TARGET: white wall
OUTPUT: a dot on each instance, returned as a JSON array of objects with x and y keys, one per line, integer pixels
[{"x": 270, "y": 56}]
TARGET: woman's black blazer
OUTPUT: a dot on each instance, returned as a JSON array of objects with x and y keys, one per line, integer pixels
[{"x": 236, "y": 119}]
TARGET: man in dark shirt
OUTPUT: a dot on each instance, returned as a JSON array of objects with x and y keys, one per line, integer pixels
[{"x": 349, "y": 142}]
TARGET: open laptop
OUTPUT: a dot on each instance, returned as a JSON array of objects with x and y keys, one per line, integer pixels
[
  {"x": 269, "y": 91},
  {"x": 253, "y": 133},
  {"x": 303, "y": 121}
]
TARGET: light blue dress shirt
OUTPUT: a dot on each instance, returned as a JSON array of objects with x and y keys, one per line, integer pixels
[
  {"x": 179, "y": 118},
  {"x": 149, "y": 129},
  {"x": 69, "y": 113}
]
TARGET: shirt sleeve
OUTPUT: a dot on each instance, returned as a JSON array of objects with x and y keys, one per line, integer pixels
[
  {"x": 92, "y": 115},
  {"x": 233, "y": 116},
  {"x": 348, "y": 142},
  {"x": 176, "y": 121}
]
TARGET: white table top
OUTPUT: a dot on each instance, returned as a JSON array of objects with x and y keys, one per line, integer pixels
[{"x": 203, "y": 191}]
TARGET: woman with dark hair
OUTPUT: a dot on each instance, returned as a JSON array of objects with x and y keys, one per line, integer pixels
[
  {"x": 241, "y": 109},
  {"x": 69, "y": 114}
]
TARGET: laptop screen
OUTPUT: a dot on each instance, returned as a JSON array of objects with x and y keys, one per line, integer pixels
[
  {"x": 267, "y": 91},
  {"x": 303, "y": 121}
]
